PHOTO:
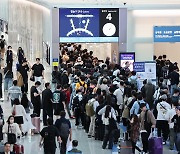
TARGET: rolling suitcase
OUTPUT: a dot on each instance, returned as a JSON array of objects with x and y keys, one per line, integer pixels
[
  {"x": 125, "y": 147},
  {"x": 155, "y": 145},
  {"x": 18, "y": 149},
  {"x": 36, "y": 123}
]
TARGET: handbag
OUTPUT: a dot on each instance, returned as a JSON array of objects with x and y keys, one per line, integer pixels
[
  {"x": 32, "y": 78},
  {"x": 11, "y": 137},
  {"x": 14, "y": 111},
  {"x": 20, "y": 81}
]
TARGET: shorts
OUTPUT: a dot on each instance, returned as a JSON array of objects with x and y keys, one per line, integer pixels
[{"x": 19, "y": 120}]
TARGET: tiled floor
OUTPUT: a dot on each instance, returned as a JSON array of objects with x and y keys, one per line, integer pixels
[{"x": 88, "y": 146}]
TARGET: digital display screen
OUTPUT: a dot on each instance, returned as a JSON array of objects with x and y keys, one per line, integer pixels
[
  {"x": 88, "y": 25},
  {"x": 130, "y": 57}
]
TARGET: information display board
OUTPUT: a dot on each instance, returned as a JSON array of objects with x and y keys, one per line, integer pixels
[
  {"x": 166, "y": 33},
  {"x": 127, "y": 56},
  {"x": 145, "y": 70},
  {"x": 88, "y": 25}
]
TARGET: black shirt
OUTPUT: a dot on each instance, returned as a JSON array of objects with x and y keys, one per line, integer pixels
[
  {"x": 47, "y": 96},
  {"x": 49, "y": 134},
  {"x": 58, "y": 98},
  {"x": 174, "y": 77},
  {"x": 23, "y": 70},
  {"x": 38, "y": 69},
  {"x": 33, "y": 98},
  {"x": 176, "y": 120},
  {"x": 9, "y": 56}
]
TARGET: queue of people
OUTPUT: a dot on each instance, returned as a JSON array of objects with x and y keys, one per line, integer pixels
[{"x": 98, "y": 96}]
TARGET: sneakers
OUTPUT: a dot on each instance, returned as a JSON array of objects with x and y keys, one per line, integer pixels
[
  {"x": 164, "y": 142},
  {"x": 89, "y": 136}
]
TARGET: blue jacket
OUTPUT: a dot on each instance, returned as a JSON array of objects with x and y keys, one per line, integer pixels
[{"x": 135, "y": 108}]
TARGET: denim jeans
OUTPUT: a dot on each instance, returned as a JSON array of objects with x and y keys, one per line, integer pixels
[
  {"x": 172, "y": 88},
  {"x": 177, "y": 142},
  {"x": 8, "y": 82}
]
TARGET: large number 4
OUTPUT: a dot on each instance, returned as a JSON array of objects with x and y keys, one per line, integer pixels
[{"x": 109, "y": 16}]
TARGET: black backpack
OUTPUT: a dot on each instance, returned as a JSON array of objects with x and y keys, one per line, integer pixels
[
  {"x": 76, "y": 103},
  {"x": 64, "y": 130},
  {"x": 2, "y": 43}
]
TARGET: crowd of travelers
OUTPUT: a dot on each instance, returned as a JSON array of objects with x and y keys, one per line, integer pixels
[{"x": 97, "y": 95}]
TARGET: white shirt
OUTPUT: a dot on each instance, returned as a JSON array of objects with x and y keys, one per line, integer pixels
[
  {"x": 19, "y": 110},
  {"x": 162, "y": 109},
  {"x": 95, "y": 105},
  {"x": 170, "y": 114},
  {"x": 119, "y": 95},
  {"x": 106, "y": 120},
  {"x": 116, "y": 72}
]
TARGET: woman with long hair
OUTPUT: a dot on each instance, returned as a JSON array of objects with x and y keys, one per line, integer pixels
[
  {"x": 27, "y": 123},
  {"x": 19, "y": 113},
  {"x": 135, "y": 132},
  {"x": 11, "y": 127},
  {"x": 109, "y": 120}
]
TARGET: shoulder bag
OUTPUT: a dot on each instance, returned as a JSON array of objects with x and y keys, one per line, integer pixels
[{"x": 11, "y": 136}]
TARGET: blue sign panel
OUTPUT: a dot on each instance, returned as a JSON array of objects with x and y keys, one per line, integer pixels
[
  {"x": 167, "y": 34},
  {"x": 79, "y": 22},
  {"x": 139, "y": 66}
]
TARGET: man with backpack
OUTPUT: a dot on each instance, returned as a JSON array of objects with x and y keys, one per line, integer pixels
[
  {"x": 81, "y": 85},
  {"x": 90, "y": 111},
  {"x": 48, "y": 136},
  {"x": 133, "y": 80},
  {"x": 77, "y": 107},
  {"x": 135, "y": 109},
  {"x": 147, "y": 120},
  {"x": 65, "y": 131}
]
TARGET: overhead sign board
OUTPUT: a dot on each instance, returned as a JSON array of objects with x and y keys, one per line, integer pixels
[{"x": 166, "y": 33}]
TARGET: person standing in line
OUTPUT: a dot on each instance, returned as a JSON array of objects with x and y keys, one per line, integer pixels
[
  {"x": 48, "y": 137},
  {"x": 162, "y": 123},
  {"x": 134, "y": 134},
  {"x": 8, "y": 78},
  {"x": 38, "y": 71},
  {"x": 64, "y": 127},
  {"x": 144, "y": 131},
  {"x": 14, "y": 92},
  {"x": 23, "y": 69},
  {"x": 67, "y": 93},
  {"x": 9, "y": 57},
  {"x": 20, "y": 54},
  {"x": 174, "y": 78},
  {"x": 176, "y": 121},
  {"x": 149, "y": 89},
  {"x": 170, "y": 114},
  {"x": 35, "y": 98},
  {"x": 47, "y": 97},
  {"x": 56, "y": 78},
  {"x": 119, "y": 95}
]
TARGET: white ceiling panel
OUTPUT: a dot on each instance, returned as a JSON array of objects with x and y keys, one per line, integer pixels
[{"x": 109, "y": 3}]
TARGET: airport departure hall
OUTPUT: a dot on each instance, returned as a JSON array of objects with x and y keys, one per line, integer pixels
[{"x": 89, "y": 77}]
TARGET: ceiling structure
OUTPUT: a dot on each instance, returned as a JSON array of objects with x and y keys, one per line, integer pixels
[{"x": 110, "y": 3}]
